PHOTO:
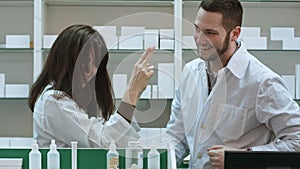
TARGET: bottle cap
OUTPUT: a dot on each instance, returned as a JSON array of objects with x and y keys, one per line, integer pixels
[
  {"x": 112, "y": 145},
  {"x": 52, "y": 145},
  {"x": 153, "y": 148},
  {"x": 35, "y": 146},
  {"x": 134, "y": 143}
]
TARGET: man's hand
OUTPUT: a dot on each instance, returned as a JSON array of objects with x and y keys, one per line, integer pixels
[{"x": 216, "y": 155}]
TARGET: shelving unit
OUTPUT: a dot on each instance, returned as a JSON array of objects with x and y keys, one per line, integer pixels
[
  {"x": 60, "y": 13},
  {"x": 16, "y": 18},
  {"x": 48, "y": 17}
]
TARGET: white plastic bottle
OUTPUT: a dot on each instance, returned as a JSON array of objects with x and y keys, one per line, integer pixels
[
  {"x": 112, "y": 156},
  {"x": 153, "y": 158},
  {"x": 35, "y": 157},
  {"x": 53, "y": 157}
]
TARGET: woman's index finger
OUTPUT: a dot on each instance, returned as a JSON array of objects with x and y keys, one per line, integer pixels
[{"x": 148, "y": 56}]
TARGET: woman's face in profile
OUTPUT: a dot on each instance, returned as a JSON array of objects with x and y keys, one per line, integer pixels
[{"x": 91, "y": 67}]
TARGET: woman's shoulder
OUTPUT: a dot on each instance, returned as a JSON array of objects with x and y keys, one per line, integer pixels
[
  {"x": 51, "y": 95},
  {"x": 57, "y": 100}
]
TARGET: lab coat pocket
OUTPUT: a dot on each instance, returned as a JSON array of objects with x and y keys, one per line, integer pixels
[{"x": 232, "y": 124}]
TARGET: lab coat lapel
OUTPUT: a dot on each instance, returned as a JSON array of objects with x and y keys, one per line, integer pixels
[
  {"x": 194, "y": 103},
  {"x": 213, "y": 109}
]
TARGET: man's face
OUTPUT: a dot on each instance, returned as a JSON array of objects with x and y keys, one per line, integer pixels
[{"x": 210, "y": 36}]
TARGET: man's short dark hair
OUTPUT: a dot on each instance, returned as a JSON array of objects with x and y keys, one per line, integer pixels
[{"x": 231, "y": 10}]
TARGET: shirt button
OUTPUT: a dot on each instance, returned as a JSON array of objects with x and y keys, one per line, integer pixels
[
  {"x": 199, "y": 156},
  {"x": 203, "y": 126}
]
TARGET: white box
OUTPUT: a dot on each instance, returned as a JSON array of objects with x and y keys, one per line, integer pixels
[
  {"x": 151, "y": 38},
  {"x": 297, "y": 74},
  {"x": 166, "y": 33},
  {"x": 17, "y": 41},
  {"x": 4, "y": 142},
  {"x": 166, "y": 44},
  {"x": 291, "y": 43},
  {"x": 49, "y": 40},
  {"x": 143, "y": 133},
  {"x": 109, "y": 34},
  {"x": 153, "y": 137},
  {"x": 131, "y": 42},
  {"x": 162, "y": 135},
  {"x": 188, "y": 42},
  {"x": 249, "y": 32},
  {"x": 165, "y": 80},
  {"x": 290, "y": 82},
  {"x": 146, "y": 93},
  {"x": 255, "y": 42},
  {"x": 132, "y": 31},
  {"x": 21, "y": 142},
  {"x": 111, "y": 42},
  {"x": 109, "y": 31},
  {"x": 279, "y": 33},
  {"x": 10, "y": 167},
  {"x": 119, "y": 84},
  {"x": 154, "y": 92},
  {"x": 16, "y": 90},
  {"x": 2, "y": 84},
  {"x": 11, "y": 163}
]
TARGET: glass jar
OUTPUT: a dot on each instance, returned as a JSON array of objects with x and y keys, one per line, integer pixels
[{"x": 134, "y": 155}]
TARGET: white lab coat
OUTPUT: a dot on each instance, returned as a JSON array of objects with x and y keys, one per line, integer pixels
[
  {"x": 248, "y": 106},
  {"x": 63, "y": 120}
]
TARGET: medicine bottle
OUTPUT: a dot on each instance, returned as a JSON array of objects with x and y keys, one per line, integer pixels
[
  {"x": 112, "y": 156},
  {"x": 35, "y": 157},
  {"x": 53, "y": 159},
  {"x": 134, "y": 155},
  {"x": 153, "y": 158}
]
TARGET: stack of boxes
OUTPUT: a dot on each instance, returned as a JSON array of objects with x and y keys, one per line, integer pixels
[
  {"x": 139, "y": 38},
  {"x": 286, "y": 35},
  {"x": 12, "y": 90},
  {"x": 252, "y": 39}
]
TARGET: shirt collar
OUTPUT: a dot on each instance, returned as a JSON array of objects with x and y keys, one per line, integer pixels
[{"x": 239, "y": 61}]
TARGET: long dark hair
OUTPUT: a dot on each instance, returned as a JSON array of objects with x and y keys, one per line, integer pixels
[{"x": 69, "y": 59}]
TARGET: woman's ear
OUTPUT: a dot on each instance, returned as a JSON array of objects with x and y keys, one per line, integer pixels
[{"x": 236, "y": 33}]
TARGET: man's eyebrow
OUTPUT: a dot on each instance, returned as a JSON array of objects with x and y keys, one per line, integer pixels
[{"x": 195, "y": 25}]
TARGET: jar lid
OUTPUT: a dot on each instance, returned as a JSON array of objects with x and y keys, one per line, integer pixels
[{"x": 134, "y": 143}]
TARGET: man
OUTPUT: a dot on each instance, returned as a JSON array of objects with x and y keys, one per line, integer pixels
[{"x": 228, "y": 99}]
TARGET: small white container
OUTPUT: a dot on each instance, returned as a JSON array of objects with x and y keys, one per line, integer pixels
[
  {"x": 134, "y": 155},
  {"x": 112, "y": 157},
  {"x": 53, "y": 157},
  {"x": 11, "y": 163},
  {"x": 153, "y": 158},
  {"x": 35, "y": 157}
]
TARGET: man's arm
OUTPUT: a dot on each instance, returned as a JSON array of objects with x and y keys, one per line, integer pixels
[{"x": 281, "y": 114}]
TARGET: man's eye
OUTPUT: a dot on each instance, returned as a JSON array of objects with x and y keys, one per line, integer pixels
[
  {"x": 211, "y": 33},
  {"x": 197, "y": 29}
]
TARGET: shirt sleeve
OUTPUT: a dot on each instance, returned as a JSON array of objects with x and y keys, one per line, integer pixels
[
  {"x": 67, "y": 122},
  {"x": 126, "y": 111},
  {"x": 277, "y": 109},
  {"x": 175, "y": 134}
]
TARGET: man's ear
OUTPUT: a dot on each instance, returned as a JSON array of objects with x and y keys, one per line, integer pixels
[{"x": 235, "y": 33}]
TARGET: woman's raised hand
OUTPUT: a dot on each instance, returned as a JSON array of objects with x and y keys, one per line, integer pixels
[{"x": 140, "y": 76}]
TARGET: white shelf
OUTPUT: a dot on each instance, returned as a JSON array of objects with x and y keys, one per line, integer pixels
[
  {"x": 256, "y": 4},
  {"x": 130, "y": 3},
  {"x": 21, "y": 3}
]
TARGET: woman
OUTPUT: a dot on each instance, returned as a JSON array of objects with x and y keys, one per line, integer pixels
[{"x": 72, "y": 99}]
